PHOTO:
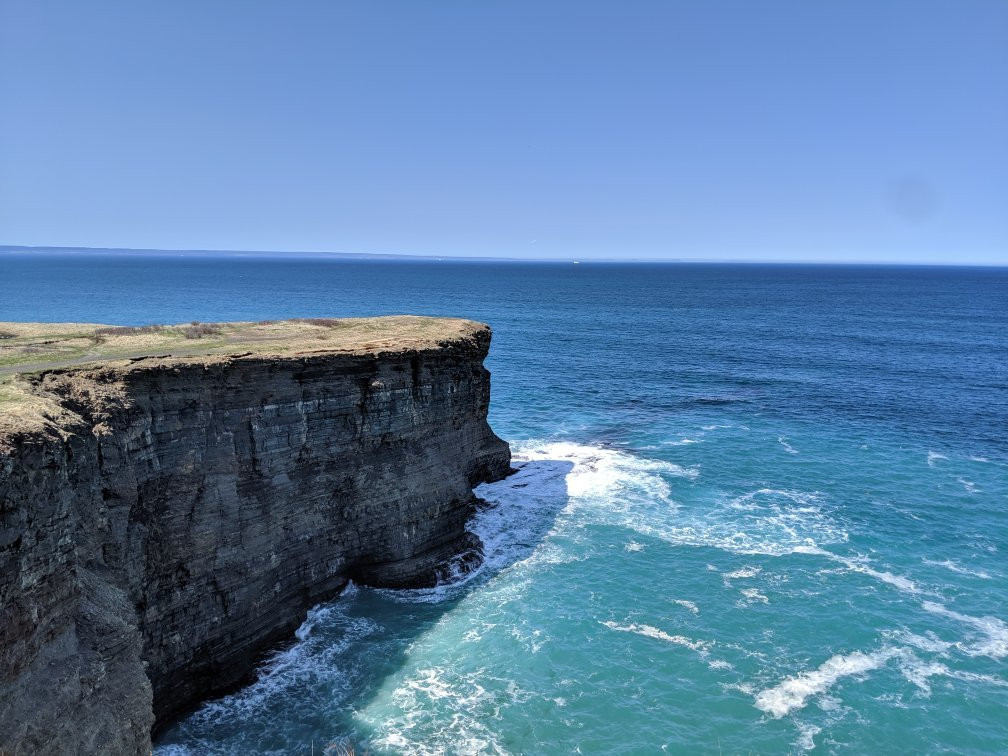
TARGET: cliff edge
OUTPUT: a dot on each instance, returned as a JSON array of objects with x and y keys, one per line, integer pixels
[{"x": 173, "y": 499}]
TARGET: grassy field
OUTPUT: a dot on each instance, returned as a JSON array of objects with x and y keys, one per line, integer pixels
[
  {"x": 35, "y": 347},
  {"x": 27, "y": 347}
]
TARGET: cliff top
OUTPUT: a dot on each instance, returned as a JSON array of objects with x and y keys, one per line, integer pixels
[{"x": 38, "y": 347}]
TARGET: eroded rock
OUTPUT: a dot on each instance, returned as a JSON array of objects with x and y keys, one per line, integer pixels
[{"x": 182, "y": 514}]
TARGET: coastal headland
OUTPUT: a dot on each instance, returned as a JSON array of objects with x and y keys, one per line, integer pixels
[{"x": 173, "y": 499}]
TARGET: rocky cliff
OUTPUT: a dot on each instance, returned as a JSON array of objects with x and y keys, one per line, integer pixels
[{"x": 165, "y": 521}]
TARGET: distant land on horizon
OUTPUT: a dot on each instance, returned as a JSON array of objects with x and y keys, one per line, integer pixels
[{"x": 401, "y": 257}]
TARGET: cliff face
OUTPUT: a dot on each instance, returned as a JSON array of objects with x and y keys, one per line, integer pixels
[{"x": 184, "y": 514}]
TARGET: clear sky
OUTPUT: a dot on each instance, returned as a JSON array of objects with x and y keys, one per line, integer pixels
[{"x": 834, "y": 131}]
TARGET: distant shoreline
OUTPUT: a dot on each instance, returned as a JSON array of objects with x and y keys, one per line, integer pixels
[{"x": 400, "y": 257}]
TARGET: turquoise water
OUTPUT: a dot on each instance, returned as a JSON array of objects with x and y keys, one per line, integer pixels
[{"x": 758, "y": 509}]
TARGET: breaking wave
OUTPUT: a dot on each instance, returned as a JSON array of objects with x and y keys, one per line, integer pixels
[
  {"x": 793, "y": 692},
  {"x": 616, "y": 487}
]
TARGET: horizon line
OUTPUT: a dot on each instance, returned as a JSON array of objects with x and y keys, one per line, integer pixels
[{"x": 401, "y": 256}]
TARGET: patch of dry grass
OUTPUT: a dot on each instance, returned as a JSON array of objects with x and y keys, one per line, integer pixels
[
  {"x": 324, "y": 322},
  {"x": 21, "y": 409},
  {"x": 127, "y": 330},
  {"x": 37, "y": 347},
  {"x": 197, "y": 330}
]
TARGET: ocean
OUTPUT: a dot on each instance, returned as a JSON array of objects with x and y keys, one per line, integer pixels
[{"x": 758, "y": 509}]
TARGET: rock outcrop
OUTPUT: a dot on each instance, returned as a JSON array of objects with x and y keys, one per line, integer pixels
[{"x": 175, "y": 517}]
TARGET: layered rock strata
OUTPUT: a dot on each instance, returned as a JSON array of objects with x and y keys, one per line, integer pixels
[{"x": 174, "y": 519}]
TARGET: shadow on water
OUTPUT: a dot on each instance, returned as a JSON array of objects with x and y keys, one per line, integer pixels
[{"x": 310, "y": 694}]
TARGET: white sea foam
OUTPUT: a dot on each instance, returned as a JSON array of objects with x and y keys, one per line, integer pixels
[
  {"x": 650, "y": 631},
  {"x": 994, "y": 631},
  {"x": 949, "y": 564},
  {"x": 988, "y": 460},
  {"x": 830, "y": 703},
  {"x": 687, "y": 605},
  {"x": 772, "y": 522},
  {"x": 318, "y": 662},
  {"x": 634, "y": 546},
  {"x": 969, "y": 485},
  {"x": 919, "y": 672},
  {"x": 909, "y": 513},
  {"x": 746, "y": 689},
  {"x": 513, "y": 529},
  {"x": 806, "y": 736},
  {"x": 681, "y": 442},
  {"x": 431, "y": 683},
  {"x": 753, "y": 595},
  {"x": 601, "y": 470},
  {"x": 532, "y": 642},
  {"x": 745, "y": 572},
  {"x": 435, "y": 688},
  {"x": 930, "y": 642},
  {"x": 933, "y": 457},
  {"x": 860, "y": 565},
  {"x": 794, "y": 692},
  {"x": 897, "y": 581},
  {"x": 782, "y": 440},
  {"x": 606, "y": 485},
  {"x": 977, "y": 678}
]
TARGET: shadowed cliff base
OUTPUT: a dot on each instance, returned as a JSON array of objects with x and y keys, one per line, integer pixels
[
  {"x": 350, "y": 650},
  {"x": 178, "y": 513}
]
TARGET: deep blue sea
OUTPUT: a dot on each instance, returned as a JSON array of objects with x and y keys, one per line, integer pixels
[{"x": 759, "y": 509}]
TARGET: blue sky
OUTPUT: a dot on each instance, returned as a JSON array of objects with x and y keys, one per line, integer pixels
[{"x": 821, "y": 131}]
